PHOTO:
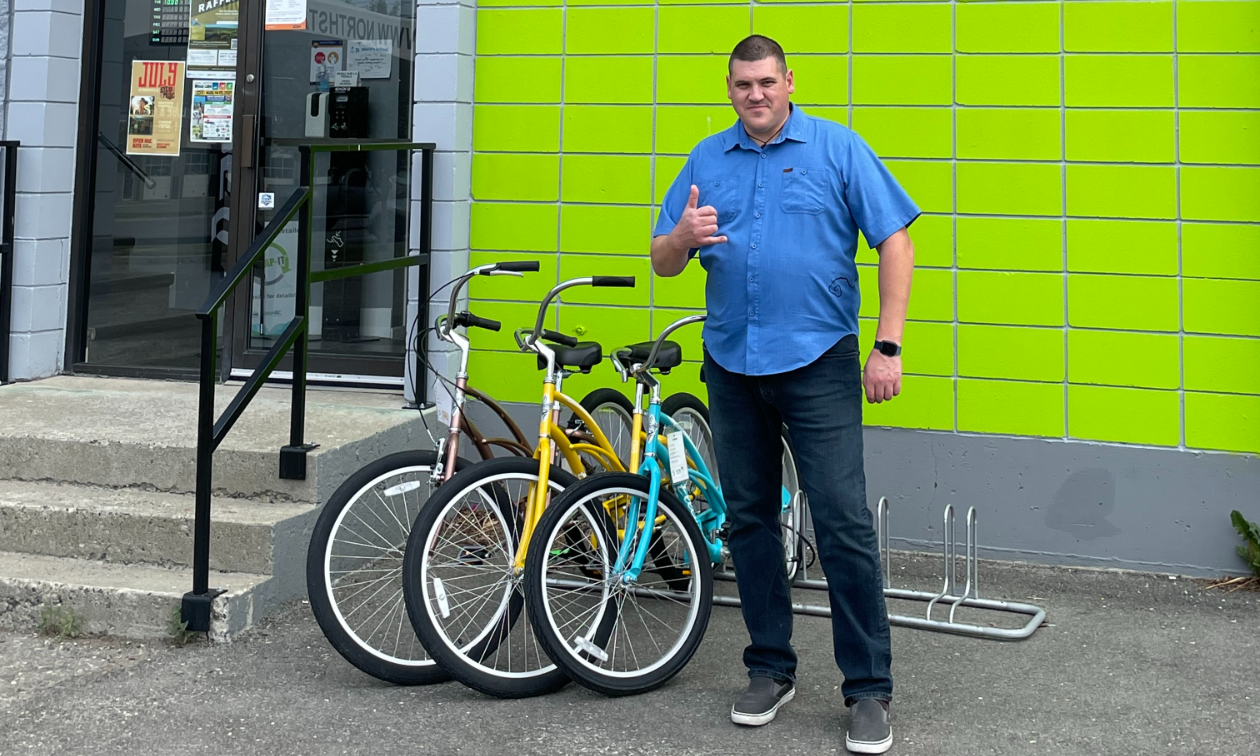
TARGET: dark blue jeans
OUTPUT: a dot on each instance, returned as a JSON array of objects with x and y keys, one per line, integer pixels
[{"x": 821, "y": 404}]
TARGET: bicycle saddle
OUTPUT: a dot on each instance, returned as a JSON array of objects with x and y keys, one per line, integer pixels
[
  {"x": 583, "y": 357},
  {"x": 669, "y": 356}
]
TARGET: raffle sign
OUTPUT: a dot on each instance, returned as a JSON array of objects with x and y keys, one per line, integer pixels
[
  {"x": 156, "y": 108},
  {"x": 212, "y": 28}
]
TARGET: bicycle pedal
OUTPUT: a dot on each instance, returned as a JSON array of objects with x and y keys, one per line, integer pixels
[{"x": 473, "y": 555}]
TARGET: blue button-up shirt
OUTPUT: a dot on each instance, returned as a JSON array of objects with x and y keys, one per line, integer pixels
[{"x": 783, "y": 288}]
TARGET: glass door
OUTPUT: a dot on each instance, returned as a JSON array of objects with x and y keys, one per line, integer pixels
[
  {"x": 154, "y": 235},
  {"x": 342, "y": 73}
]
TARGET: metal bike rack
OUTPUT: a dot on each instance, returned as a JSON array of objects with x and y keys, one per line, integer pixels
[{"x": 948, "y": 595}]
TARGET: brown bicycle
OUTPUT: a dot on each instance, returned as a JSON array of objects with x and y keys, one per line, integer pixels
[{"x": 354, "y": 562}]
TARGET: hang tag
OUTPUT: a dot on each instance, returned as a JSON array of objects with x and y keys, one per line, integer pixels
[
  {"x": 677, "y": 447},
  {"x": 443, "y": 402}
]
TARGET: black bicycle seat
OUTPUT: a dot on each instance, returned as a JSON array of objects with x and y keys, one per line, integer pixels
[
  {"x": 583, "y": 357},
  {"x": 669, "y": 356}
]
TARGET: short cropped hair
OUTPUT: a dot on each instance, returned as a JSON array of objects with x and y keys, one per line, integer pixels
[{"x": 757, "y": 47}]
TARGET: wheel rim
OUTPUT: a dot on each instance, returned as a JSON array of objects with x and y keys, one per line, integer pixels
[
  {"x": 791, "y": 516},
  {"x": 470, "y": 583},
  {"x": 616, "y": 425},
  {"x": 363, "y": 570},
  {"x": 575, "y": 601}
]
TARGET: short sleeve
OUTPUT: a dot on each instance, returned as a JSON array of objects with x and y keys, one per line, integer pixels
[
  {"x": 674, "y": 202},
  {"x": 879, "y": 205}
]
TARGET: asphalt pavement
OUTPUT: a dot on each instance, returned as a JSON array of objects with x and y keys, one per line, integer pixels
[{"x": 1126, "y": 664}]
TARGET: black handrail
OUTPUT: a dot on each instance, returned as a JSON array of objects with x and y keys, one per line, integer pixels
[
  {"x": 197, "y": 604},
  {"x": 6, "y": 253}
]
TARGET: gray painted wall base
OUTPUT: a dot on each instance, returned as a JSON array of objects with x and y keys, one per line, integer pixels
[{"x": 1053, "y": 502}]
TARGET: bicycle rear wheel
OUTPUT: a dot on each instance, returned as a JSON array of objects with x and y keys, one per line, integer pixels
[
  {"x": 464, "y": 596},
  {"x": 354, "y": 568},
  {"x": 614, "y": 413},
  {"x": 612, "y": 637}
]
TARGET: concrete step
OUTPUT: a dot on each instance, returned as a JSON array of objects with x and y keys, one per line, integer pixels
[
  {"x": 130, "y": 526},
  {"x": 116, "y": 432},
  {"x": 133, "y": 601}
]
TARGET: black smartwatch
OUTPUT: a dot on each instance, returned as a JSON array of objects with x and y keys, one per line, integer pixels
[{"x": 888, "y": 348}]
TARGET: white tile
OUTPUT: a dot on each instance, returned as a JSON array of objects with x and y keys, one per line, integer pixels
[
  {"x": 452, "y": 176},
  {"x": 42, "y": 79},
  {"x": 61, "y": 6},
  {"x": 46, "y": 33},
  {"x": 450, "y": 225},
  {"x": 35, "y": 355},
  {"x": 447, "y": 125},
  {"x": 438, "y": 29},
  {"x": 437, "y": 77},
  {"x": 444, "y": 266},
  {"x": 45, "y": 169},
  {"x": 39, "y": 308},
  {"x": 43, "y": 216},
  {"x": 36, "y": 124},
  {"x": 40, "y": 263}
]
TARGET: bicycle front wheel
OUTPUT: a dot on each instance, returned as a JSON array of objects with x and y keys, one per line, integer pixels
[
  {"x": 354, "y": 568},
  {"x": 616, "y": 637},
  {"x": 463, "y": 592}
]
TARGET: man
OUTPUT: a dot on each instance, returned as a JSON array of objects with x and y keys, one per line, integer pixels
[{"x": 773, "y": 206}]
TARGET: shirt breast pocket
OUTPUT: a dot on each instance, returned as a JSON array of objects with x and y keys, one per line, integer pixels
[
  {"x": 805, "y": 190},
  {"x": 722, "y": 194}
]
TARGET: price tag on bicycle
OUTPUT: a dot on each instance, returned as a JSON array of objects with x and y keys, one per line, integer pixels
[{"x": 677, "y": 457}]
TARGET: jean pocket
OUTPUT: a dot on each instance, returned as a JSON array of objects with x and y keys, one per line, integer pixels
[
  {"x": 805, "y": 190},
  {"x": 722, "y": 194}
]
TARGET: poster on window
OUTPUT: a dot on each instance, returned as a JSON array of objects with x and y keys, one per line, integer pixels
[
  {"x": 156, "y": 107},
  {"x": 275, "y": 300},
  {"x": 212, "y": 27},
  {"x": 326, "y": 60},
  {"x": 211, "y": 111},
  {"x": 285, "y": 14}
]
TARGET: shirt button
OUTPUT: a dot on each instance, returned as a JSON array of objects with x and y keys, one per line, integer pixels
[
  {"x": 758, "y": 215},
  {"x": 763, "y": 156},
  {"x": 760, "y": 184},
  {"x": 754, "y": 246},
  {"x": 750, "y": 313},
  {"x": 750, "y": 279}
]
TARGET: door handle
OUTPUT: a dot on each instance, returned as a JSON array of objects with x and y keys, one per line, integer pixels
[{"x": 247, "y": 142}]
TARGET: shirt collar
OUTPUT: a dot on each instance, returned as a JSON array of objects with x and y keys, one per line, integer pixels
[{"x": 795, "y": 129}]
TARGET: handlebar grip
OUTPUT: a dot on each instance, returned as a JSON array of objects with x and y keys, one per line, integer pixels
[
  {"x": 559, "y": 338},
  {"x": 624, "y": 281},
  {"x": 520, "y": 266},
  {"x": 472, "y": 321}
]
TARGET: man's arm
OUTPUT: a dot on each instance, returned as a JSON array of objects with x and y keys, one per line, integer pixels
[
  {"x": 896, "y": 266},
  {"x": 696, "y": 228}
]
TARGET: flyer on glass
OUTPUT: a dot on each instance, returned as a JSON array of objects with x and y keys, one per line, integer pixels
[
  {"x": 212, "y": 28},
  {"x": 326, "y": 60},
  {"x": 372, "y": 58},
  {"x": 156, "y": 108},
  {"x": 211, "y": 111},
  {"x": 286, "y": 14}
]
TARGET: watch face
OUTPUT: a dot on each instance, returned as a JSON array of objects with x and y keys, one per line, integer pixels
[{"x": 888, "y": 349}]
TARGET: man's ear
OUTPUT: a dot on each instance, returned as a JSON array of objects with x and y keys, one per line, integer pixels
[
  {"x": 729, "y": 94},
  {"x": 791, "y": 82}
]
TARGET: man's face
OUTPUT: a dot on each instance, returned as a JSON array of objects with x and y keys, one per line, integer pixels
[{"x": 759, "y": 91}]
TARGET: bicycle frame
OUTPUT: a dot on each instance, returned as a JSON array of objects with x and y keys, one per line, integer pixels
[{"x": 628, "y": 565}]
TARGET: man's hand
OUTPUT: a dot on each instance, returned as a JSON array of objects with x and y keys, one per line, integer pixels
[
  {"x": 882, "y": 378},
  {"x": 698, "y": 225}
]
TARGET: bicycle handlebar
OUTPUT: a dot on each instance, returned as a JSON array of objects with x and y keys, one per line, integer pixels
[
  {"x": 506, "y": 268},
  {"x": 656, "y": 345},
  {"x": 625, "y": 281},
  {"x": 519, "y": 266},
  {"x": 559, "y": 338},
  {"x": 472, "y": 321}
]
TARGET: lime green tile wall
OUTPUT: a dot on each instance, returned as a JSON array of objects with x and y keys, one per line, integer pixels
[{"x": 1088, "y": 265}]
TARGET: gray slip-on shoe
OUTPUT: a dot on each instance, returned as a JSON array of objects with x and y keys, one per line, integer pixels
[
  {"x": 869, "y": 731},
  {"x": 761, "y": 701}
]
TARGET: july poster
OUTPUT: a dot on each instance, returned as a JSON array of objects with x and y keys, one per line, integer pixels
[{"x": 156, "y": 107}]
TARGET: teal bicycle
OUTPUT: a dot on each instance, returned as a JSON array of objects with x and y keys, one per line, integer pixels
[{"x": 619, "y": 572}]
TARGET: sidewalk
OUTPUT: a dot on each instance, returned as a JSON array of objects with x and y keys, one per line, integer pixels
[{"x": 1131, "y": 664}]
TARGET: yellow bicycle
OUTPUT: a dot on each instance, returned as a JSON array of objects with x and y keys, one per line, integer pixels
[{"x": 466, "y": 553}]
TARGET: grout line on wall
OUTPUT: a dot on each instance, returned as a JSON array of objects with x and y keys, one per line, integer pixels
[
  {"x": 559, "y": 203},
  {"x": 1067, "y": 359},
  {"x": 953, "y": 117},
  {"x": 1181, "y": 297}
]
